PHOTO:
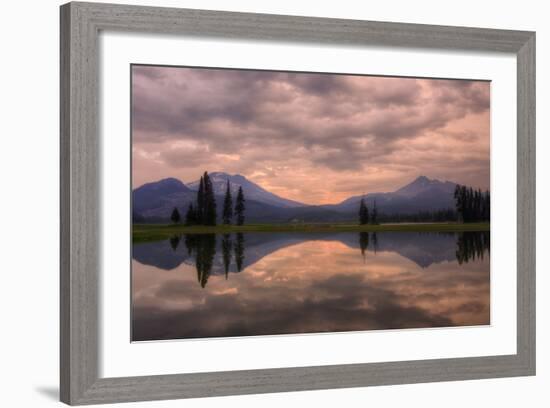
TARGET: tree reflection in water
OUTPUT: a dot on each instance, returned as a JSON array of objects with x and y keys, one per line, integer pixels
[
  {"x": 174, "y": 242},
  {"x": 472, "y": 245},
  {"x": 239, "y": 251},
  {"x": 203, "y": 247},
  {"x": 227, "y": 245},
  {"x": 469, "y": 245},
  {"x": 363, "y": 243}
]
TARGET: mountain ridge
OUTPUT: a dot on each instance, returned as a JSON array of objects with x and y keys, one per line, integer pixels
[
  {"x": 153, "y": 202},
  {"x": 250, "y": 189}
]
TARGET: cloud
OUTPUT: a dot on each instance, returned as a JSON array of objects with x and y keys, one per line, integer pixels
[{"x": 331, "y": 127}]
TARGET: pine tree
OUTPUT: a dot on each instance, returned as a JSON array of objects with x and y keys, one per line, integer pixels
[
  {"x": 209, "y": 202},
  {"x": 240, "y": 207},
  {"x": 374, "y": 216},
  {"x": 199, "y": 211},
  {"x": 175, "y": 217},
  {"x": 363, "y": 213},
  {"x": 227, "y": 205}
]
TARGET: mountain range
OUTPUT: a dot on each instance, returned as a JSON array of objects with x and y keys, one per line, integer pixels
[
  {"x": 154, "y": 202},
  {"x": 251, "y": 190}
]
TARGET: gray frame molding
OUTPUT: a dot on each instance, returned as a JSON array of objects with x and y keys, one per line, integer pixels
[{"x": 80, "y": 158}]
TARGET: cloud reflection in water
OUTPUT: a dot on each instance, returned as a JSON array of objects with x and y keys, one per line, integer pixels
[{"x": 291, "y": 283}]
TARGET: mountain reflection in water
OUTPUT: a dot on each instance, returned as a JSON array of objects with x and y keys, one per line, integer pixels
[{"x": 207, "y": 285}]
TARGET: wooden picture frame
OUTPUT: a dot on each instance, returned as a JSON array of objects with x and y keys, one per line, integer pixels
[{"x": 81, "y": 24}]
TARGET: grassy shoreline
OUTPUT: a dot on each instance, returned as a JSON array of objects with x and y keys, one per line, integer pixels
[{"x": 155, "y": 232}]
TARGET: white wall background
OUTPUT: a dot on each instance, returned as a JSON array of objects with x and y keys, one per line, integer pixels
[{"x": 29, "y": 202}]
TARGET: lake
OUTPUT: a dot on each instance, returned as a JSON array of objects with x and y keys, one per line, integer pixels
[{"x": 245, "y": 284}]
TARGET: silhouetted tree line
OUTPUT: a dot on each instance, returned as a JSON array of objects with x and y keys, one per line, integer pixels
[
  {"x": 364, "y": 217},
  {"x": 203, "y": 211},
  {"x": 472, "y": 205}
]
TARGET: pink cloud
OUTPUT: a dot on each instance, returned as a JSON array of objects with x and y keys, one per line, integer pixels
[{"x": 315, "y": 138}]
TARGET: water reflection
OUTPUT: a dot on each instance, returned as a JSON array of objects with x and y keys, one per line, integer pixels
[
  {"x": 374, "y": 242},
  {"x": 174, "y": 242},
  {"x": 472, "y": 245},
  {"x": 239, "y": 251},
  {"x": 203, "y": 248},
  {"x": 227, "y": 246},
  {"x": 363, "y": 242},
  {"x": 251, "y": 284}
]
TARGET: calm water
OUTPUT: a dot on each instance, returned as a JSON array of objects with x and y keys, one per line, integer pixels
[{"x": 258, "y": 284}]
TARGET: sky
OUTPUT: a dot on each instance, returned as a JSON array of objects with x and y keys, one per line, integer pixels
[{"x": 314, "y": 138}]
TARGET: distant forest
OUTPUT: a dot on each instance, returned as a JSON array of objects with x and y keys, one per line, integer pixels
[{"x": 470, "y": 206}]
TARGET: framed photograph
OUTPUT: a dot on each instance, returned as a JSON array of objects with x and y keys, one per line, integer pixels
[{"x": 262, "y": 203}]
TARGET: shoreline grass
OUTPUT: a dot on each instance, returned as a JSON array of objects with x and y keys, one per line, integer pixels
[{"x": 156, "y": 232}]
